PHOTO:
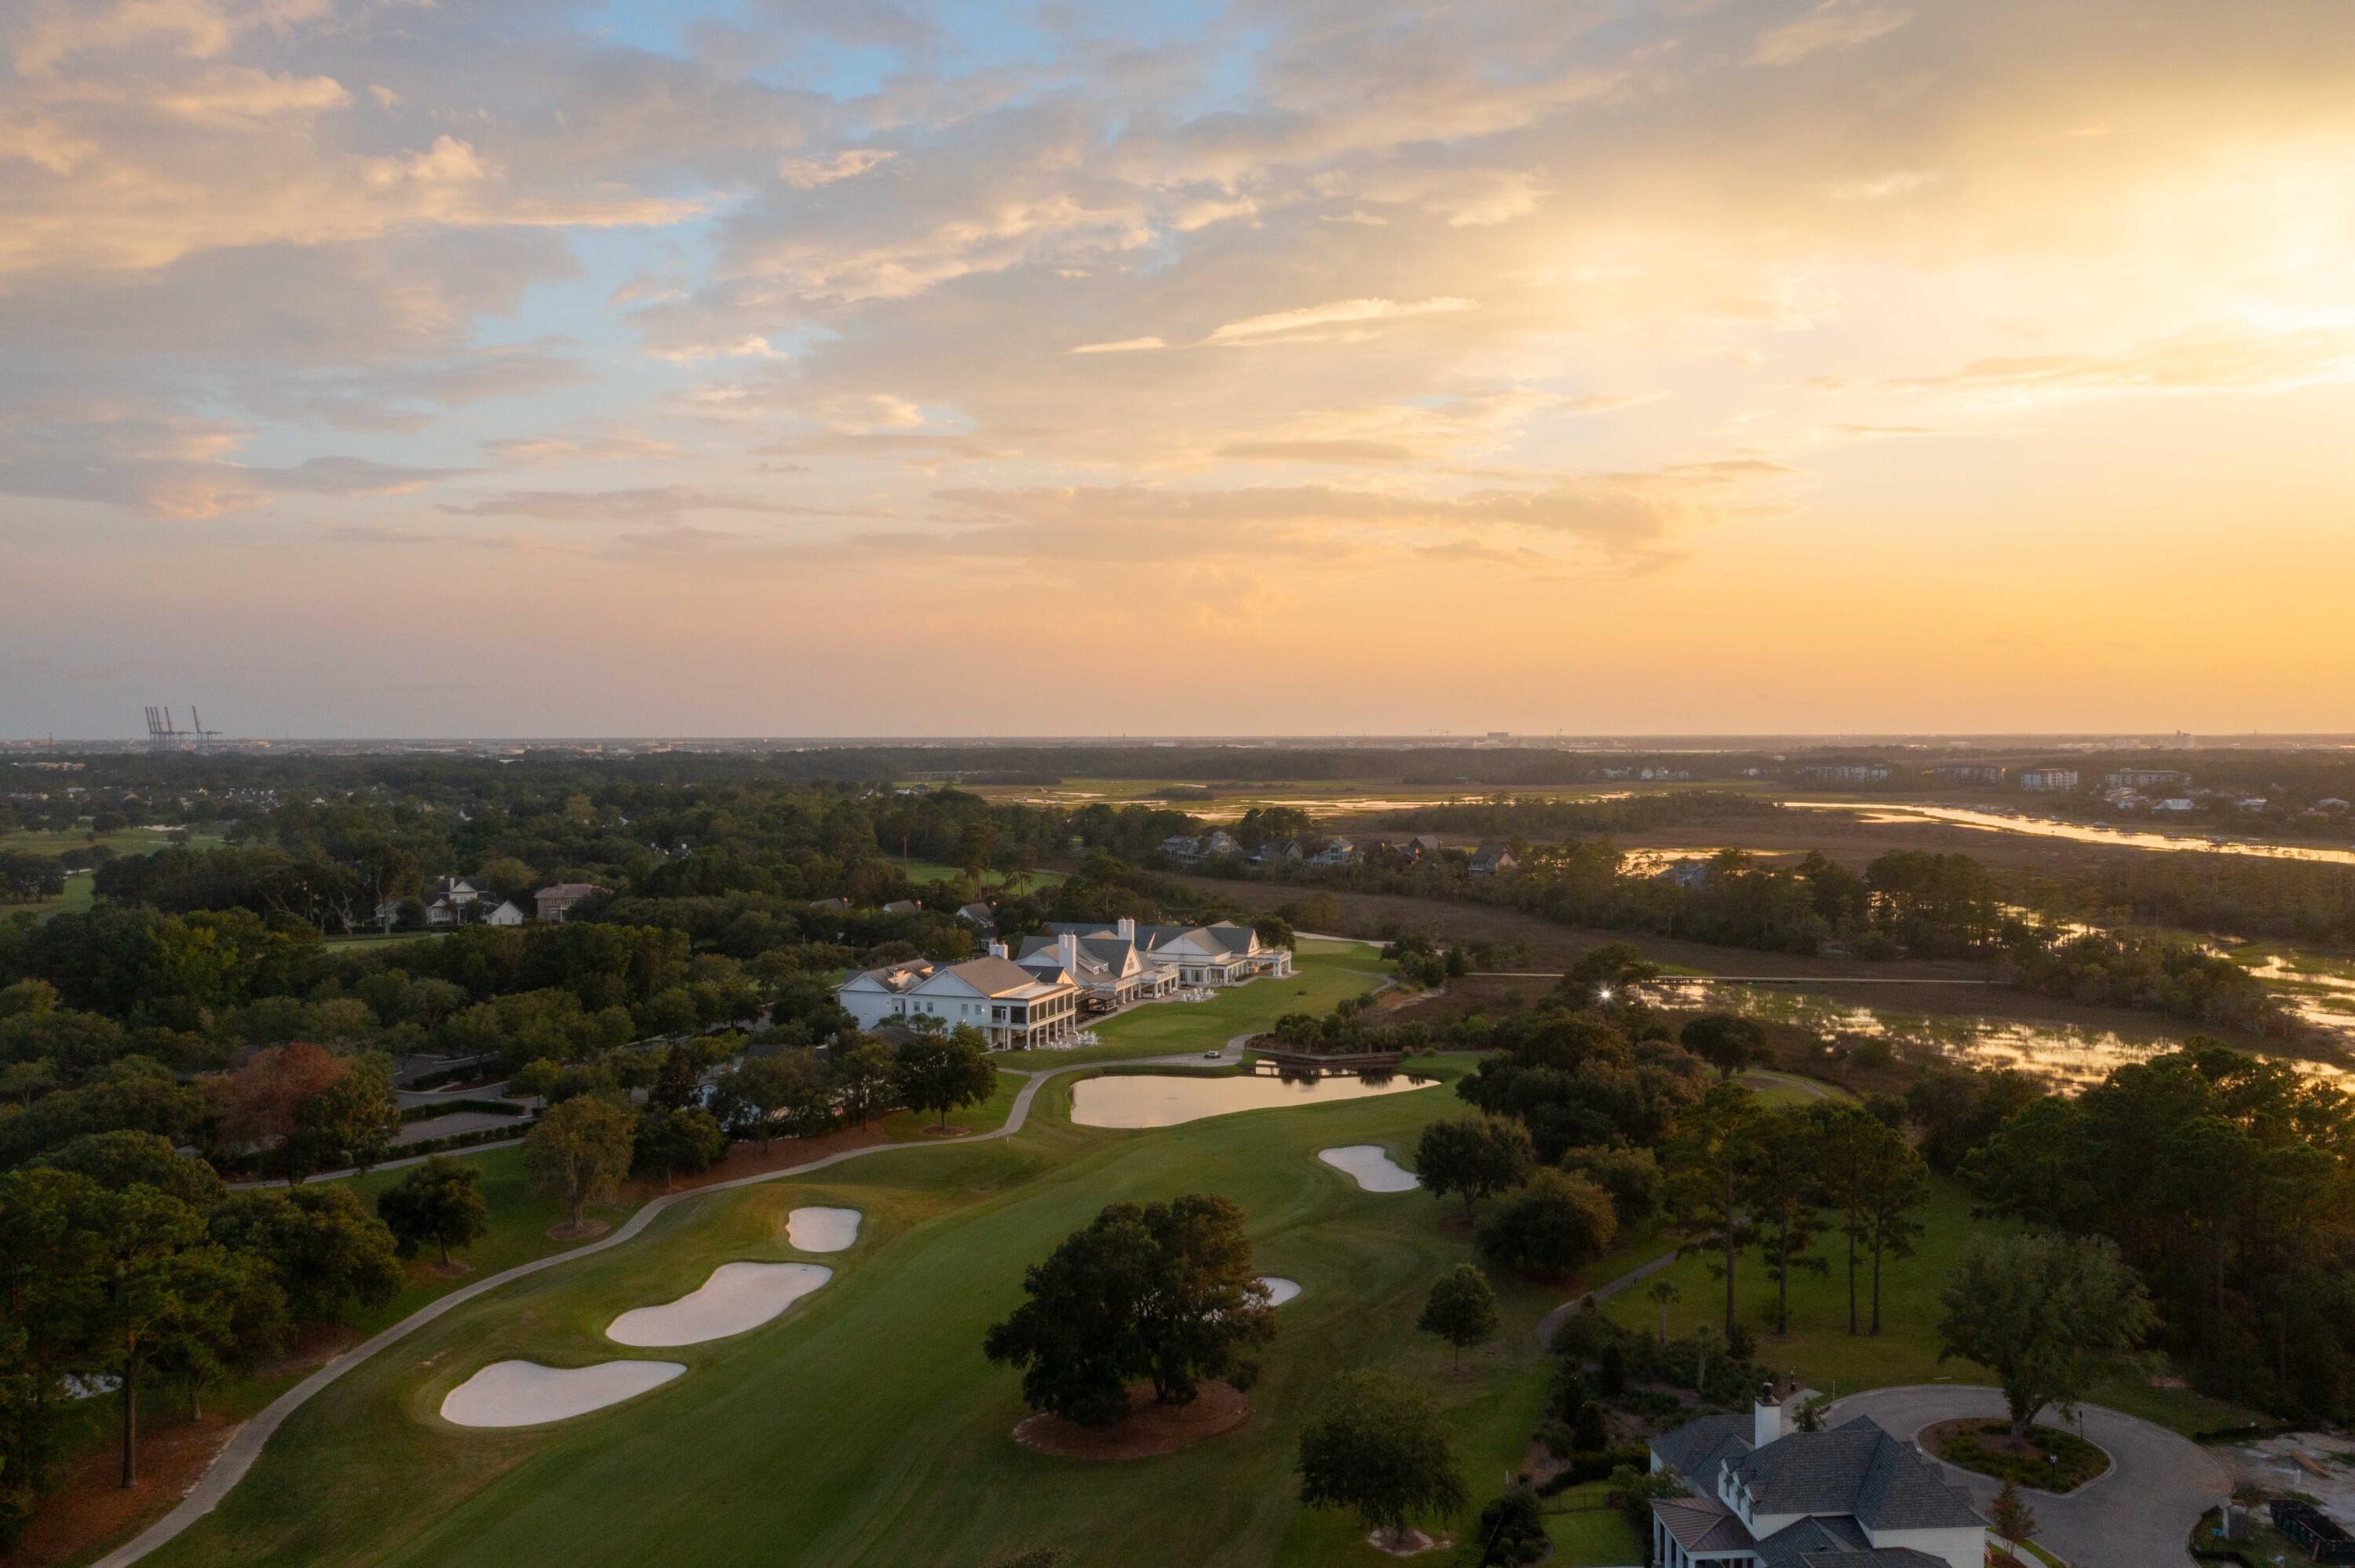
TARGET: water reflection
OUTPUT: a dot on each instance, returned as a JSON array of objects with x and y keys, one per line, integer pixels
[
  {"x": 1166, "y": 1099},
  {"x": 2045, "y": 827},
  {"x": 2069, "y": 1055}
]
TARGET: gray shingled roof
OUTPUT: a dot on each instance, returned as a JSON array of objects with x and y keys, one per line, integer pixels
[
  {"x": 1794, "y": 1545},
  {"x": 1694, "y": 1449},
  {"x": 1903, "y": 1491},
  {"x": 1877, "y": 1557}
]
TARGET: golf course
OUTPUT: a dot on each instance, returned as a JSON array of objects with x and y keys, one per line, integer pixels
[{"x": 865, "y": 1425}]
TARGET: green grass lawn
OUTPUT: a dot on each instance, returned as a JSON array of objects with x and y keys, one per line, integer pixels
[
  {"x": 80, "y": 890},
  {"x": 866, "y": 1426},
  {"x": 1324, "y": 974},
  {"x": 1585, "y": 1532},
  {"x": 924, "y": 872},
  {"x": 1820, "y": 1349}
]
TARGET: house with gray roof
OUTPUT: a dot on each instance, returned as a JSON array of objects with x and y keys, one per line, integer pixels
[
  {"x": 1853, "y": 1497},
  {"x": 1104, "y": 965}
]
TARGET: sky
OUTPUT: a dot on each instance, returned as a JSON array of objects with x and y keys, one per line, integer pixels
[{"x": 502, "y": 368}]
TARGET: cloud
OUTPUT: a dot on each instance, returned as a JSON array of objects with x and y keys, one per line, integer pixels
[
  {"x": 1833, "y": 25},
  {"x": 2210, "y": 359},
  {"x": 1119, "y": 346},
  {"x": 1294, "y": 325},
  {"x": 658, "y": 504},
  {"x": 807, "y": 174}
]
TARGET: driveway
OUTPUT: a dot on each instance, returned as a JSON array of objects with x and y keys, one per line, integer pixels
[{"x": 2140, "y": 1512}]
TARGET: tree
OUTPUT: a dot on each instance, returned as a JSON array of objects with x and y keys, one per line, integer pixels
[
  {"x": 1726, "y": 1041},
  {"x": 667, "y": 1142},
  {"x": 765, "y": 1094},
  {"x": 1475, "y": 1157},
  {"x": 160, "y": 1289},
  {"x": 945, "y": 1073},
  {"x": 1461, "y": 1309},
  {"x": 267, "y": 1103},
  {"x": 1872, "y": 1179},
  {"x": 1660, "y": 1293},
  {"x": 119, "y": 1160},
  {"x": 1783, "y": 1181},
  {"x": 440, "y": 1202},
  {"x": 1162, "y": 1291},
  {"x": 1509, "y": 1532},
  {"x": 356, "y": 1117},
  {"x": 1549, "y": 1227},
  {"x": 2010, "y": 1515},
  {"x": 677, "y": 1082},
  {"x": 863, "y": 1078},
  {"x": 1598, "y": 973},
  {"x": 2041, "y": 1312},
  {"x": 1379, "y": 1448},
  {"x": 1707, "y": 1161},
  {"x": 330, "y": 1254},
  {"x": 580, "y": 1152}
]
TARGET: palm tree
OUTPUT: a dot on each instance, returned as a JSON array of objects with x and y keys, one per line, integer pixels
[{"x": 1661, "y": 1293}]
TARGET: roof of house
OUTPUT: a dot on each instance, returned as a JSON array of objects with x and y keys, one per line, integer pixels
[
  {"x": 979, "y": 913},
  {"x": 994, "y": 976},
  {"x": 1856, "y": 1469},
  {"x": 569, "y": 890},
  {"x": 1694, "y": 1449},
  {"x": 1702, "y": 1524},
  {"x": 903, "y": 907}
]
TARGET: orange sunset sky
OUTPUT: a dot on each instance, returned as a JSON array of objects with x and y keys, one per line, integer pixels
[{"x": 371, "y": 366}]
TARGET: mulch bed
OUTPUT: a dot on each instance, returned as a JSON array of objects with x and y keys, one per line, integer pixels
[
  {"x": 1149, "y": 1429},
  {"x": 1989, "y": 1448}
]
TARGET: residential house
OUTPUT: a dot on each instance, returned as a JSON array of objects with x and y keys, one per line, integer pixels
[
  {"x": 831, "y": 906},
  {"x": 980, "y": 916},
  {"x": 1686, "y": 873},
  {"x": 507, "y": 914},
  {"x": 903, "y": 907},
  {"x": 1764, "y": 1497},
  {"x": 1212, "y": 845},
  {"x": 556, "y": 902},
  {"x": 1279, "y": 851},
  {"x": 1337, "y": 853},
  {"x": 1490, "y": 859},
  {"x": 1424, "y": 846},
  {"x": 1014, "y": 1008}
]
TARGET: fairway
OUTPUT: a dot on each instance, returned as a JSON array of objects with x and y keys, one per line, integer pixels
[{"x": 864, "y": 1426}]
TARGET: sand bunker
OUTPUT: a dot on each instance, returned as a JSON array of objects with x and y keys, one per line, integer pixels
[
  {"x": 1279, "y": 1289},
  {"x": 1164, "y": 1099},
  {"x": 1374, "y": 1170},
  {"x": 738, "y": 1296},
  {"x": 821, "y": 1230},
  {"x": 525, "y": 1394}
]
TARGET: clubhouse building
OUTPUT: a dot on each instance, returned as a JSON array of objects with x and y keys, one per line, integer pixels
[{"x": 1036, "y": 997}]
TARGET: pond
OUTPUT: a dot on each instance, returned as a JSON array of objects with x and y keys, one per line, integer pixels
[
  {"x": 1164, "y": 1099},
  {"x": 2068, "y": 1055}
]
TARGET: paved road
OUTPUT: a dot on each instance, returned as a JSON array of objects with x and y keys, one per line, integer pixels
[
  {"x": 245, "y": 1447},
  {"x": 2138, "y": 1515}
]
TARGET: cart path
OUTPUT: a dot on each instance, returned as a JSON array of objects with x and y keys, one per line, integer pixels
[{"x": 237, "y": 1458}]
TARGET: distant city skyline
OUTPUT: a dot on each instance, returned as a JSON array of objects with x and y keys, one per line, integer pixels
[{"x": 754, "y": 368}]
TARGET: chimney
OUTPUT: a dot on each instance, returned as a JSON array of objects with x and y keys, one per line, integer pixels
[
  {"x": 1066, "y": 953},
  {"x": 1127, "y": 927},
  {"x": 996, "y": 949},
  {"x": 1765, "y": 1420}
]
